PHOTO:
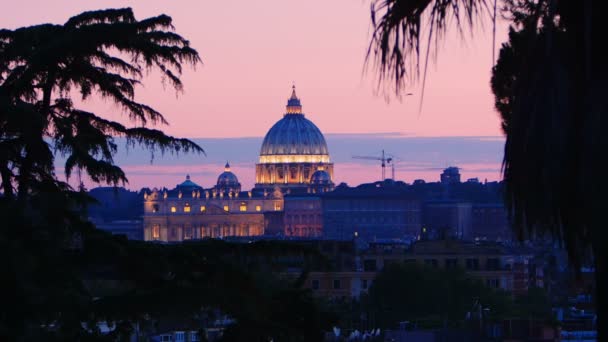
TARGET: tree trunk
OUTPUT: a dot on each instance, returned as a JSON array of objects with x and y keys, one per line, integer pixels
[{"x": 35, "y": 132}]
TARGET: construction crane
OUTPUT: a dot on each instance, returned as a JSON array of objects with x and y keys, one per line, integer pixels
[{"x": 384, "y": 159}]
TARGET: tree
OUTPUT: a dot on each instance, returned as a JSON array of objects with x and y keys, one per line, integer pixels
[
  {"x": 436, "y": 297},
  {"x": 42, "y": 69},
  {"x": 549, "y": 85},
  {"x": 61, "y": 272},
  {"x": 95, "y": 53}
]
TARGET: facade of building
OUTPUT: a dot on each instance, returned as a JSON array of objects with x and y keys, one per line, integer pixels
[
  {"x": 494, "y": 264},
  {"x": 303, "y": 216},
  {"x": 450, "y": 175},
  {"x": 490, "y": 222},
  {"x": 453, "y": 218},
  {"x": 191, "y": 212},
  {"x": 292, "y": 152},
  {"x": 381, "y": 210},
  {"x": 294, "y": 159}
]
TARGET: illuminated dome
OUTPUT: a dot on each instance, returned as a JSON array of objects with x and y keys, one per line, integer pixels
[
  {"x": 294, "y": 135},
  {"x": 292, "y": 150},
  {"x": 227, "y": 180}
]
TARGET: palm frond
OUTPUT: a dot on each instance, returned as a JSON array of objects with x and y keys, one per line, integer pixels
[{"x": 398, "y": 26}]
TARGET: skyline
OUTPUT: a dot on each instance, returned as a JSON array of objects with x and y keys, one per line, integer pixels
[
  {"x": 416, "y": 157},
  {"x": 241, "y": 89}
]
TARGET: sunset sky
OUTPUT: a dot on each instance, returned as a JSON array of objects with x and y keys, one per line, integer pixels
[{"x": 253, "y": 51}]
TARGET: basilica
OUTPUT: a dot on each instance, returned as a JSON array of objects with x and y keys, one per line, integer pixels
[{"x": 294, "y": 160}]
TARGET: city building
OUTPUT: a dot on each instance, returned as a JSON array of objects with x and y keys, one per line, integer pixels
[
  {"x": 372, "y": 211},
  {"x": 294, "y": 159},
  {"x": 191, "y": 212},
  {"x": 495, "y": 264},
  {"x": 292, "y": 152},
  {"x": 490, "y": 222},
  {"x": 450, "y": 175},
  {"x": 452, "y": 218},
  {"x": 303, "y": 216}
]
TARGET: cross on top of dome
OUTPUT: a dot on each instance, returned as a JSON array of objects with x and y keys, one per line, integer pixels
[
  {"x": 293, "y": 104},
  {"x": 227, "y": 167}
]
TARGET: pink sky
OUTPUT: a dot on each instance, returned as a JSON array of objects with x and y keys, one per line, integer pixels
[{"x": 254, "y": 50}]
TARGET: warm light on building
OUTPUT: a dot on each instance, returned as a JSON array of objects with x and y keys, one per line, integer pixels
[
  {"x": 258, "y": 208},
  {"x": 155, "y": 232},
  {"x": 226, "y": 208},
  {"x": 311, "y": 158},
  {"x": 187, "y": 208},
  {"x": 173, "y": 209},
  {"x": 203, "y": 208},
  {"x": 292, "y": 150},
  {"x": 243, "y": 207}
]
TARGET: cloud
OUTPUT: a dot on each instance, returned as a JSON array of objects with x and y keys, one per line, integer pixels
[{"x": 415, "y": 157}]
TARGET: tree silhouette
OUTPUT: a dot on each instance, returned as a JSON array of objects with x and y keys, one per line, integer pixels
[
  {"x": 61, "y": 275},
  {"x": 549, "y": 85},
  {"x": 101, "y": 53}
]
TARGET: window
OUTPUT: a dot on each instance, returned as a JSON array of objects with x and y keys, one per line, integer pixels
[
  {"x": 179, "y": 336},
  {"x": 165, "y": 338},
  {"x": 155, "y": 232},
  {"x": 154, "y": 208},
  {"x": 431, "y": 262},
  {"x": 243, "y": 206},
  {"x": 451, "y": 263},
  {"x": 315, "y": 284},
  {"x": 226, "y": 208},
  {"x": 277, "y": 206},
  {"x": 187, "y": 208},
  {"x": 173, "y": 209},
  {"x": 194, "y": 336},
  {"x": 494, "y": 283},
  {"x": 188, "y": 233},
  {"x": 364, "y": 284},
  {"x": 369, "y": 265},
  {"x": 203, "y": 208},
  {"x": 336, "y": 284},
  {"x": 258, "y": 208},
  {"x": 472, "y": 264},
  {"x": 493, "y": 264}
]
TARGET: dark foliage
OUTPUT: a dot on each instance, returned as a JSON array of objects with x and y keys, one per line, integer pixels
[
  {"x": 430, "y": 296},
  {"x": 61, "y": 275},
  {"x": 549, "y": 84}
]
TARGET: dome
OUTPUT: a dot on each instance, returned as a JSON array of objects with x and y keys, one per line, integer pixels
[
  {"x": 320, "y": 177},
  {"x": 187, "y": 184},
  {"x": 294, "y": 135},
  {"x": 227, "y": 179}
]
